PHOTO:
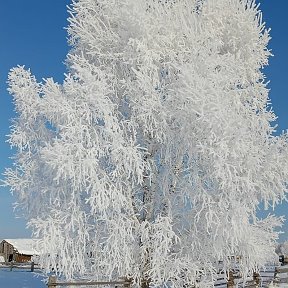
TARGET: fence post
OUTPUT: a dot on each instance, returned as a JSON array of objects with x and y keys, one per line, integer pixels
[
  {"x": 32, "y": 266},
  {"x": 256, "y": 278},
  {"x": 52, "y": 282},
  {"x": 127, "y": 285},
  {"x": 230, "y": 282}
]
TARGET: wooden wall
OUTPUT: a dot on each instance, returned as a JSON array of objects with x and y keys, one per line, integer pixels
[
  {"x": 6, "y": 249},
  {"x": 20, "y": 258}
]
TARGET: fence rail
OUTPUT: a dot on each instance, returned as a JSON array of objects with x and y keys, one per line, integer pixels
[
  {"x": 16, "y": 265},
  {"x": 272, "y": 273},
  {"x": 262, "y": 279},
  {"x": 53, "y": 283}
]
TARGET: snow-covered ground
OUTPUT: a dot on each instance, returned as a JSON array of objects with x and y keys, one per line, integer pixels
[
  {"x": 25, "y": 279},
  {"x": 20, "y": 279}
]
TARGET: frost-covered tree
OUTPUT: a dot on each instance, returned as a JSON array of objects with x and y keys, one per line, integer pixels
[{"x": 150, "y": 160}]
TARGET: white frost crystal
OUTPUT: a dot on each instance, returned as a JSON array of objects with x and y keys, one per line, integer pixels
[{"x": 150, "y": 160}]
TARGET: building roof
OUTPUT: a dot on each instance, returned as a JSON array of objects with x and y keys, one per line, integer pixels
[{"x": 24, "y": 246}]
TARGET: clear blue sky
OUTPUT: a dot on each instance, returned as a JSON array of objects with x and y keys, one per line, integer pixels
[{"x": 32, "y": 34}]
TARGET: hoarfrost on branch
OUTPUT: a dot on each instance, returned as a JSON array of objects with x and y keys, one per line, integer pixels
[{"x": 150, "y": 160}]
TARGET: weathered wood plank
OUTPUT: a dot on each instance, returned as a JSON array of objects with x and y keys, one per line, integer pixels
[
  {"x": 53, "y": 283},
  {"x": 281, "y": 269}
]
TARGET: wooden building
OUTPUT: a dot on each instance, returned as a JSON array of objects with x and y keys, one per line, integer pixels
[{"x": 18, "y": 250}]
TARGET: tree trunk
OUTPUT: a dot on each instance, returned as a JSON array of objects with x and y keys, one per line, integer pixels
[
  {"x": 145, "y": 283},
  {"x": 230, "y": 282}
]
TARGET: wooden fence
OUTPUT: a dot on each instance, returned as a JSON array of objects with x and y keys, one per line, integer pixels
[
  {"x": 14, "y": 265},
  {"x": 235, "y": 280},
  {"x": 257, "y": 280},
  {"x": 53, "y": 283},
  {"x": 278, "y": 275},
  {"x": 281, "y": 275}
]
